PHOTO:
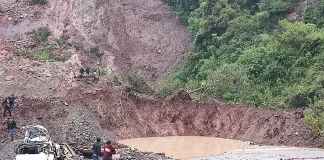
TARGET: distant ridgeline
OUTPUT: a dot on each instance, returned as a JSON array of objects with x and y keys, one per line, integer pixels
[{"x": 253, "y": 52}]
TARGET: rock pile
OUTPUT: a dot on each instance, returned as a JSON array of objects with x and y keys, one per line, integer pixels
[{"x": 133, "y": 154}]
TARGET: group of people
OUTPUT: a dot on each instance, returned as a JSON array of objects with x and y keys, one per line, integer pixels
[
  {"x": 98, "y": 150},
  {"x": 84, "y": 71},
  {"x": 88, "y": 72},
  {"x": 9, "y": 104},
  {"x": 105, "y": 151}
]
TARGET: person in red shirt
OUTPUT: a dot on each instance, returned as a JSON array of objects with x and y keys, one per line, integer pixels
[{"x": 107, "y": 151}]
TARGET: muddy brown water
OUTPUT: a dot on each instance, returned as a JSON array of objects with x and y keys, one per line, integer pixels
[{"x": 186, "y": 148}]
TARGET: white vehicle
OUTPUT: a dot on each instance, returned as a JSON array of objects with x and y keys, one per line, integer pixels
[
  {"x": 37, "y": 145},
  {"x": 35, "y": 152},
  {"x": 36, "y": 134}
]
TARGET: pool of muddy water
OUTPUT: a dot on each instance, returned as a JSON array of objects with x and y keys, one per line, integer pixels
[{"x": 186, "y": 148}]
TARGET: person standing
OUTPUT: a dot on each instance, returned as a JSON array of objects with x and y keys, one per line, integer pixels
[
  {"x": 6, "y": 108},
  {"x": 108, "y": 151},
  {"x": 96, "y": 149},
  {"x": 12, "y": 127},
  {"x": 81, "y": 72},
  {"x": 88, "y": 70},
  {"x": 12, "y": 102}
]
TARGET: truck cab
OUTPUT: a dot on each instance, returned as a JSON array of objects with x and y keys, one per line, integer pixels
[{"x": 37, "y": 145}]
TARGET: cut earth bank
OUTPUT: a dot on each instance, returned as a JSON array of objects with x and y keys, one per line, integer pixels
[
  {"x": 77, "y": 112},
  {"x": 113, "y": 113}
]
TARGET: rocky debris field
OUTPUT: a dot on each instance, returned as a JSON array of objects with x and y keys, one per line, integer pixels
[
  {"x": 123, "y": 153},
  {"x": 133, "y": 154}
]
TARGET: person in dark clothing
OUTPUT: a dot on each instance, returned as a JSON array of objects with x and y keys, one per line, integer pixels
[
  {"x": 96, "y": 150},
  {"x": 11, "y": 127},
  {"x": 6, "y": 108},
  {"x": 108, "y": 151},
  {"x": 12, "y": 102},
  {"x": 81, "y": 72},
  {"x": 87, "y": 70}
]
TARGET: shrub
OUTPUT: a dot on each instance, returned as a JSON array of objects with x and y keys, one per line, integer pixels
[
  {"x": 169, "y": 87},
  {"x": 314, "y": 118},
  {"x": 138, "y": 84},
  {"x": 227, "y": 82},
  {"x": 41, "y": 34},
  {"x": 60, "y": 42},
  {"x": 314, "y": 14},
  {"x": 298, "y": 101},
  {"x": 42, "y": 55}
]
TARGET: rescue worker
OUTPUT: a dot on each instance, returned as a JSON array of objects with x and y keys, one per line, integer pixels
[
  {"x": 11, "y": 127},
  {"x": 108, "y": 151},
  {"x": 12, "y": 102},
  {"x": 96, "y": 150},
  {"x": 6, "y": 108}
]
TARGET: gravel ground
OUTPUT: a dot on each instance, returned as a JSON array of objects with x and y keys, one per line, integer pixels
[
  {"x": 271, "y": 153},
  {"x": 131, "y": 154},
  {"x": 7, "y": 150}
]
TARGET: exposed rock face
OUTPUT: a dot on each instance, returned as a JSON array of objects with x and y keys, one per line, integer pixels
[{"x": 139, "y": 35}]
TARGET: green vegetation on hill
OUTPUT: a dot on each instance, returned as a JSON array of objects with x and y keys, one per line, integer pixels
[{"x": 246, "y": 51}]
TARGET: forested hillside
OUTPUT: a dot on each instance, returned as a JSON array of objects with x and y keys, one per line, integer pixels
[{"x": 258, "y": 52}]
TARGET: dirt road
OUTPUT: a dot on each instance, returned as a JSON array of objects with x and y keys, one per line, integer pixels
[
  {"x": 270, "y": 153},
  {"x": 209, "y": 148}
]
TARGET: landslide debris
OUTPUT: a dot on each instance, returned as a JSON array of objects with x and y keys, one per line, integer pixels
[
  {"x": 133, "y": 154},
  {"x": 141, "y": 35}
]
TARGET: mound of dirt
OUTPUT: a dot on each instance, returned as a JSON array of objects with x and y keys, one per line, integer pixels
[{"x": 133, "y": 154}]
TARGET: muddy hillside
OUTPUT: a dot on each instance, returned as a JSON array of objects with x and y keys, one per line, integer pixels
[
  {"x": 142, "y": 36},
  {"x": 114, "y": 113},
  {"x": 43, "y": 47}
]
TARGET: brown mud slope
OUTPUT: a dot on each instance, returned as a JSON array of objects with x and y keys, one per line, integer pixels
[
  {"x": 85, "y": 114},
  {"x": 141, "y": 35},
  {"x": 131, "y": 116}
]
